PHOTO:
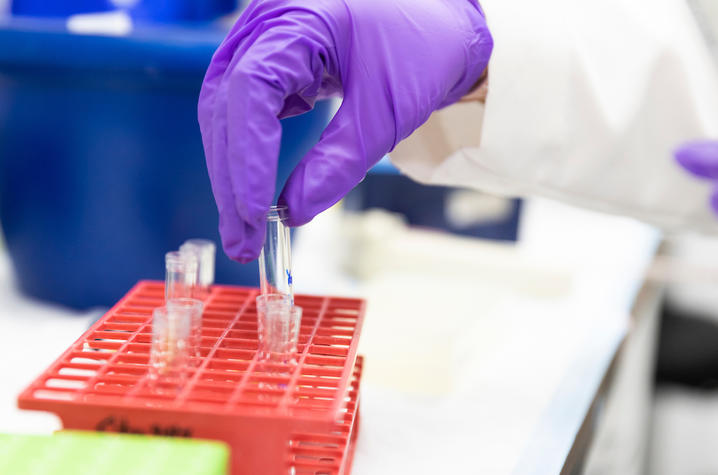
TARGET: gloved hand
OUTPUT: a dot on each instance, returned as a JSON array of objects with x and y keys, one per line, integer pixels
[
  {"x": 393, "y": 61},
  {"x": 701, "y": 159}
]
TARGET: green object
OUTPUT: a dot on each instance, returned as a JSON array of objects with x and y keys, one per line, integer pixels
[{"x": 98, "y": 453}]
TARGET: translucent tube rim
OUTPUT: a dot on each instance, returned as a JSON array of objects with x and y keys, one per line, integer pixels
[
  {"x": 199, "y": 242},
  {"x": 185, "y": 303},
  {"x": 274, "y": 298},
  {"x": 277, "y": 213},
  {"x": 163, "y": 317},
  {"x": 175, "y": 258}
]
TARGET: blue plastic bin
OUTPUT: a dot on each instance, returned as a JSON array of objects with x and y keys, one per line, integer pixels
[{"x": 101, "y": 162}]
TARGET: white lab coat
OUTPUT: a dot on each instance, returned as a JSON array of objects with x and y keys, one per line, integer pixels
[{"x": 587, "y": 100}]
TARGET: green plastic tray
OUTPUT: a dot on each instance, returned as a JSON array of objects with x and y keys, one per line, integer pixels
[{"x": 79, "y": 453}]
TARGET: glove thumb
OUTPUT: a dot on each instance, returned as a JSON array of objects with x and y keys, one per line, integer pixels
[{"x": 335, "y": 165}]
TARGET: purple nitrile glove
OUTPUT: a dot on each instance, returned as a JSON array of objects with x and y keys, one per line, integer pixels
[
  {"x": 393, "y": 61},
  {"x": 701, "y": 159}
]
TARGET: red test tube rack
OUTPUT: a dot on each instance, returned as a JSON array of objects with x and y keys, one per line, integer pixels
[{"x": 275, "y": 421}]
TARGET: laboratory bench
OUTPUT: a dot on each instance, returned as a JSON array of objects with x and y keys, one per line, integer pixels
[
  {"x": 481, "y": 357},
  {"x": 496, "y": 358}
]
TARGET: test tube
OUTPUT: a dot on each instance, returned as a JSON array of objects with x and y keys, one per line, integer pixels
[
  {"x": 295, "y": 322},
  {"x": 278, "y": 324},
  {"x": 180, "y": 275},
  {"x": 205, "y": 250},
  {"x": 169, "y": 350},
  {"x": 275, "y": 259},
  {"x": 194, "y": 307}
]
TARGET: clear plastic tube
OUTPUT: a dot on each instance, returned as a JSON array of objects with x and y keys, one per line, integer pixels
[
  {"x": 205, "y": 251},
  {"x": 295, "y": 322},
  {"x": 194, "y": 307},
  {"x": 169, "y": 351},
  {"x": 278, "y": 328},
  {"x": 275, "y": 259},
  {"x": 180, "y": 275}
]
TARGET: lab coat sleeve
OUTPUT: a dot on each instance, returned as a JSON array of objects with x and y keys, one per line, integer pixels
[{"x": 587, "y": 100}]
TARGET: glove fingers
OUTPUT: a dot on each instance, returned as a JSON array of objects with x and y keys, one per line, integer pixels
[
  {"x": 212, "y": 121},
  {"x": 246, "y": 133},
  {"x": 699, "y": 158},
  {"x": 212, "y": 117},
  {"x": 245, "y": 147},
  {"x": 206, "y": 105}
]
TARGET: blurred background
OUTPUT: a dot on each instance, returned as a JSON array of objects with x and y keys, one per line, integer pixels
[{"x": 504, "y": 335}]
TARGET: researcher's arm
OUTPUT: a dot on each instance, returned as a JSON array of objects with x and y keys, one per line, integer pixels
[
  {"x": 393, "y": 61},
  {"x": 587, "y": 100}
]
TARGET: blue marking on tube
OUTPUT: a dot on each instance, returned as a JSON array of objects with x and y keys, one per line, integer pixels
[{"x": 289, "y": 276}]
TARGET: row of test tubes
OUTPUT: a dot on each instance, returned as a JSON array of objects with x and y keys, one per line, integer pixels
[{"x": 177, "y": 326}]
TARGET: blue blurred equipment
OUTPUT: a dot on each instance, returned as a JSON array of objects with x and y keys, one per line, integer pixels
[
  {"x": 58, "y": 8},
  {"x": 426, "y": 206},
  {"x": 144, "y": 10},
  {"x": 181, "y": 10},
  {"x": 101, "y": 162}
]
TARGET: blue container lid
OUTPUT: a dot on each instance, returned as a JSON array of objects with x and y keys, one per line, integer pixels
[
  {"x": 47, "y": 44},
  {"x": 58, "y": 8},
  {"x": 150, "y": 10}
]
